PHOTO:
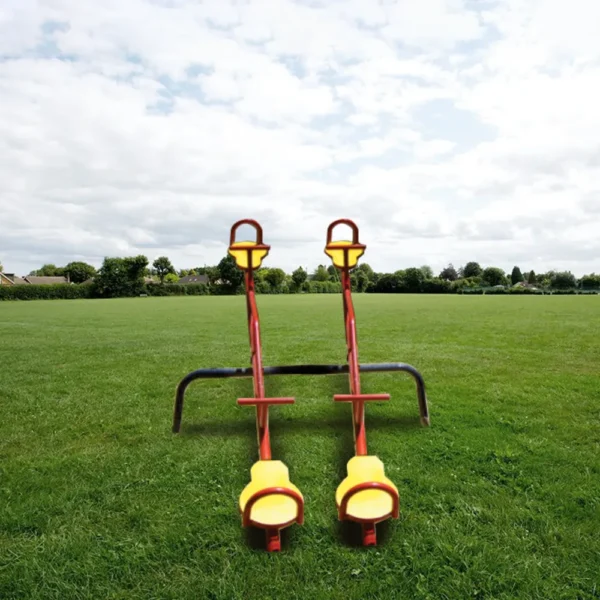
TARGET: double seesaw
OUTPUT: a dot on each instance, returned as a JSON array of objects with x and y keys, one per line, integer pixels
[{"x": 270, "y": 501}]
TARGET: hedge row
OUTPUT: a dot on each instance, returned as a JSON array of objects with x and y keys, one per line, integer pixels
[
  {"x": 174, "y": 289},
  {"x": 45, "y": 292},
  {"x": 525, "y": 292},
  {"x": 68, "y": 292}
]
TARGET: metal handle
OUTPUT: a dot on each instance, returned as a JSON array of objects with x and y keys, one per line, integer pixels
[
  {"x": 350, "y": 224},
  {"x": 253, "y": 223}
]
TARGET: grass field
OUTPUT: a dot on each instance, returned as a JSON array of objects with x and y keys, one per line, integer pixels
[{"x": 500, "y": 498}]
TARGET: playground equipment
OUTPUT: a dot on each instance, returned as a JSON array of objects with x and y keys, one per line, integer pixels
[
  {"x": 366, "y": 496},
  {"x": 270, "y": 501}
]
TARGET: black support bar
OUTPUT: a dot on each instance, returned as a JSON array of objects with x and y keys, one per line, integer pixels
[{"x": 225, "y": 372}]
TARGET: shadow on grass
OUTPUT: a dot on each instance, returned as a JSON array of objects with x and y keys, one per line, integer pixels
[
  {"x": 255, "y": 538},
  {"x": 337, "y": 421},
  {"x": 350, "y": 533},
  {"x": 341, "y": 423}
]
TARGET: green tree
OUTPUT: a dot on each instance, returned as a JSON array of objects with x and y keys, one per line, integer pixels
[
  {"x": 299, "y": 276},
  {"x": 494, "y": 276},
  {"x": 78, "y": 272},
  {"x": 333, "y": 273},
  {"x": 413, "y": 280},
  {"x": 1, "y": 268},
  {"x": 163, "y": 267},
  {"x": 388, "y": 283},
  {"x": 230, "y": 274},
  {"x": 362, "y": 281},
  {"x": 121, "y": 276},
  {"x": 320, "y": 274},
  {"x": 427, "y": 272},
  {"x": 564, "y": 280},
  {"x": 449, "y": 273},
  {"x": 275, "y": 278},
  {"x": 171, "y": 278},
  {"x": 472, "y": 269},
  {"x": 49, "y": 270},
  {"x": 213, "y": 274},
  {"x": 590, "y": 282},
  {"x": 516, "y": 276},
  {"x": 367, "y": 270},
  {"x": 531, "y": 278},
  {"x": 135, "y": 266}
]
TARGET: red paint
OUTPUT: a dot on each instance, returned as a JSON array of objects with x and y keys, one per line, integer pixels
[
  {"x": 369, "y": 534},
  {"x": 369, "y": 485},
  {"x": 358, "y": 400},
  {"x": 262, "y": 404},
  {"x": 246, "y": 521},
  {"x": 365, "y": 397},
  {"x": 257, "y": 401},
  {"x": 273, "y": 541}
]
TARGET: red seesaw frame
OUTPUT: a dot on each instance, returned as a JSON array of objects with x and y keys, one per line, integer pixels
[
  {"x": 345, "y": 263},
  {"x": 257, "y": 371},
  {"x": 260, "y": 401}
]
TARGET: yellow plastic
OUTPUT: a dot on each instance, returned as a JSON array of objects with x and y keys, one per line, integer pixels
[
  {"x": 274, "y": 509},
  {"x": 368, "y": 504},
  {"x": 241, "y": 256},
  {"x": 337, "y": 255}
]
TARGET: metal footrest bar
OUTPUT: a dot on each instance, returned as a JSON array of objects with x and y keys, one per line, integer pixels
[{"x": 226, "y": 372}]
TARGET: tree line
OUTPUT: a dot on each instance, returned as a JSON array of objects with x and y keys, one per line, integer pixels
[{"x": 133, "y": 276}]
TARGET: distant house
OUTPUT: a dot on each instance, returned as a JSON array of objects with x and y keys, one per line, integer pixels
[
  {"x": 12, "y": 279},
  {"x": 193, "y": 279},
  {"x": 92, "y": 279},
  {"x": 35, "y": 280}
]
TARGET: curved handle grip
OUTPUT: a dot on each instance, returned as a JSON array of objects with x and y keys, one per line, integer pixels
[
  {"x": 253, "y": 223},
  {"x": 246, "y": 521},
  {"x": 370, "y": 485},
  {"x": 350, "y": 224}
]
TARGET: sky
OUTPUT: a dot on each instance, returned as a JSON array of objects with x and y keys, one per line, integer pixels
[{"x": 448, "y": 130}]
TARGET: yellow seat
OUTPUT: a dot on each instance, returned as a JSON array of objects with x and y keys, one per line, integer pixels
[
  {"x": 274, "y": 509},
  {"x": 335, "y": 251},
  {"x": 241, "y": 256},
  {"x": 367, "y": 505}
]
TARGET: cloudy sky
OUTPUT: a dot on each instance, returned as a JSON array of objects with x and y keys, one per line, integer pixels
[{"x": 449, "y": 130}]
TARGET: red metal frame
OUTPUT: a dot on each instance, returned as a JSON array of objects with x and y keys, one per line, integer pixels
[
  {"x": 356, "y": 397},
  {"x": 246, "y": 520},
  {"x": 369, "y": 485},
  {"x": 257, "y": 371},
  {"x": 358, "y": 400},
  {"x": 260, "y": 401}
]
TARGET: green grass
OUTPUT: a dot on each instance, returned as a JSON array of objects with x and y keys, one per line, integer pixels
[{"x": 500, "y": 498}]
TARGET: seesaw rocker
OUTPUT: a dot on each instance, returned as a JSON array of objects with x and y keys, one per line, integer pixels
[
  {"x": 270, "y": 501},
  {"x": 366, "y": 495}
]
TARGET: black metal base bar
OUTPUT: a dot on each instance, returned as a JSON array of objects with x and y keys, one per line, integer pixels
[{"x": 225, "y": 372}]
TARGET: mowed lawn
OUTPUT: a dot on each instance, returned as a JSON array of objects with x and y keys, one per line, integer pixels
[{"x": 500, "y": 497}]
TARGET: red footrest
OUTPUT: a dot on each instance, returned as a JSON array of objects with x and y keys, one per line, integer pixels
[
  {"x": 365, "y": 397},
  {"x": 257, "y": 401}
]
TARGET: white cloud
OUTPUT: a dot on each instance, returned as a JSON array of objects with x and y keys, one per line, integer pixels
[{"x": 449, "y": 130}]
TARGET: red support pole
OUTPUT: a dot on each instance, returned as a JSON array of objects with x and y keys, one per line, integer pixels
[
  {"x": 358, "y": 406},
  {"x": 369, "y": 534},
  {"x": 262, "y": 410},
  {"x": 258, "y": 380},
  {"x": 273, "y": 540}
]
